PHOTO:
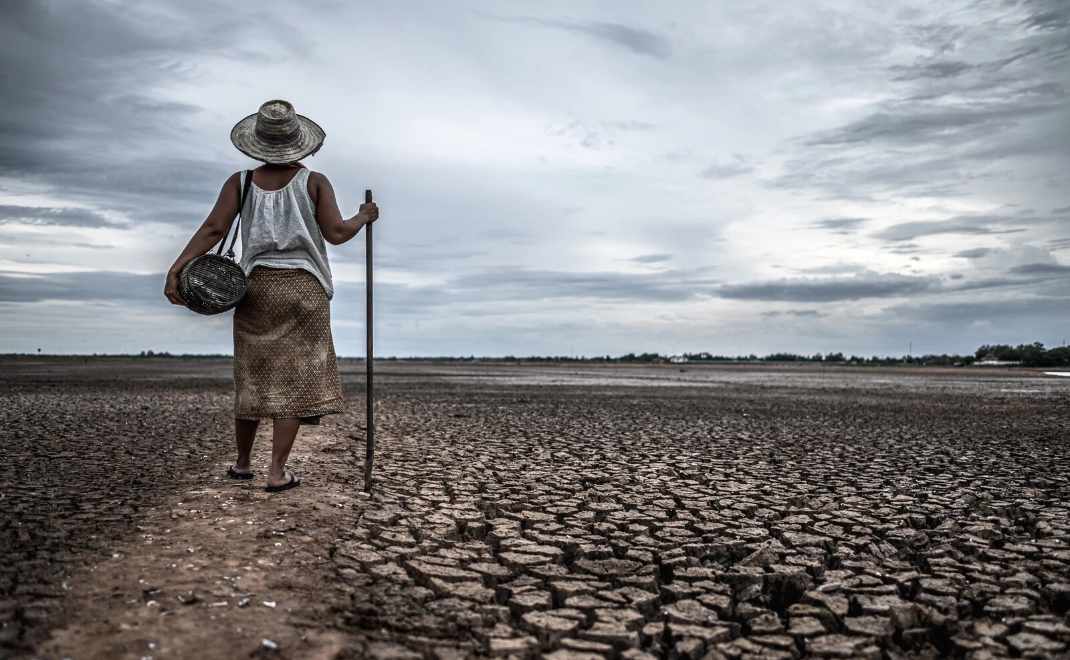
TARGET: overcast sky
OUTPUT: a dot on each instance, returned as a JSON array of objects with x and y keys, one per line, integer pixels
[{"x": 559, "y": 177}]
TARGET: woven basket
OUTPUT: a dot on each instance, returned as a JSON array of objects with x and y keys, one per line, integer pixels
[
  {"x": 211, "y": 284},
  {"x": 214, "y": 283}
]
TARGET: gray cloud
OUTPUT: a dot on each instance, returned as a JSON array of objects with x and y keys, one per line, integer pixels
[
  {"x": 90, "y": 285},
  {"x": 973, "y": 253},
  {"x": 77, "y": 127},
  {"x": 484, "y": 286},
  {"x": 1050, "y": 15},
  {"x": 857, "y": 287},
  {"x": 637, "y": 40},
  {"x": 906, "y": 123},
  {"x": 517, "y": 284},
  {"x": 905, "y": 248},
  {"x": 980, "y": 225},
  {"x": 938, "y": 68},
  {"x": 960, "y": 312},
  {"x": 651, "y": 258},
  {"x": 797, "y": 313},
  {"x": 1041, "y": 269},
  {"x": 833, "y": 269},
  {"x": 842, "y": 226},
  {"x": 983, "y": 92},
  {"x": 48, "y": 215},
  {"x": 866, "y": 175}
]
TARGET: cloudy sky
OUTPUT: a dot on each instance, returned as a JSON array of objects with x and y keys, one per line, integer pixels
[{"x": 559, "y": 177}]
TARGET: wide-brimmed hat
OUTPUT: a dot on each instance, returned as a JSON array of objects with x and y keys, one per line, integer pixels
[{"x": 276, "y": 134}]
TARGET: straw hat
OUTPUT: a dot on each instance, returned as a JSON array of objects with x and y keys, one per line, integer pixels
[{"x": 276, "y": 134}]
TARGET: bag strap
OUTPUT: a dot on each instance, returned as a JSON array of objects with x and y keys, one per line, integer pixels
[{"x": 237, "y": 223}]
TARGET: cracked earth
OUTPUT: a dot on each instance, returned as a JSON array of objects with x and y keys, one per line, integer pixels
[{"x": 535, "y": 511}]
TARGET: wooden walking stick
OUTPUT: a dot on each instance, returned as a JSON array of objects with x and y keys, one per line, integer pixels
[{"x": 369, "y": 388}]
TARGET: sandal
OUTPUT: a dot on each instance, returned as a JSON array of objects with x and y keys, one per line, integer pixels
[
  {"x": 292, "y": 483},
  {"x": 234, "y": 474}
]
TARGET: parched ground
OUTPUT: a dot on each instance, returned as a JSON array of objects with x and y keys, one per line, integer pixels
[{"x": 687, "y": 512}]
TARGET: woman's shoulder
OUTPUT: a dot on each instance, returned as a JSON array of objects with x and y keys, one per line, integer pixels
[
  {"x": 231, "y": 182},
  {"x": 317, "y": 181}
]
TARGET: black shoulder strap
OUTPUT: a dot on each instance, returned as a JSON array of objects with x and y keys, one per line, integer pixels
[{"x": 237, "y": 223}]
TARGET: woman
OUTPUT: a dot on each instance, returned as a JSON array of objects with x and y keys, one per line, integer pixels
[{"x": 284, "y": 361}]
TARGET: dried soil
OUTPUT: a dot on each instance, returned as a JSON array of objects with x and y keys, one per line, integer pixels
[{"x": 738, "y": 513}]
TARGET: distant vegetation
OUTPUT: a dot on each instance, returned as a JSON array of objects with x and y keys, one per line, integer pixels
[
  {"x": 1026, "y": 355},
  {"x": 1030, "y": 355}
]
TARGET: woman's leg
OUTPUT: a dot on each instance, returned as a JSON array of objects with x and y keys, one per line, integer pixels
[
  {"x": 283, "y": 434},
  {"x": 244, "y": 434}
]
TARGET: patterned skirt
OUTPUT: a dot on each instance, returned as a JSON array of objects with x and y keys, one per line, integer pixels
[{"x": 284, "y": 362}]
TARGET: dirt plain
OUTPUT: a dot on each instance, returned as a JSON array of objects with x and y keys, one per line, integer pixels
[{"x": 541, "y": 510}]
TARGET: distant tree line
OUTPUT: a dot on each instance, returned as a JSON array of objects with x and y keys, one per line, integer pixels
[
  {"x": 1030, "y": 355},
  {"x": 1027, "y": 355}
]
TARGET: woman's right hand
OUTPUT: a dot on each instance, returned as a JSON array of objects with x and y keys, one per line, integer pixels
[
  {"x": 370, "y": 212},
  {"x": 171, "y": 288}
]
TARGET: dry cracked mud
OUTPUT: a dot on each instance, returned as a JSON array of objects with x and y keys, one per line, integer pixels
[{"x": 592, "y": 512}]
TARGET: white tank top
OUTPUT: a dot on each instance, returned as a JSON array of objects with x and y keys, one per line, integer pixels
[{"x": 279, "y": 230}]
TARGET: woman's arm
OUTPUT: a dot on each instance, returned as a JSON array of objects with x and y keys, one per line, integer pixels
[
  {"x": 335, "y": 230},
  {"x": 214, "y": 228}
]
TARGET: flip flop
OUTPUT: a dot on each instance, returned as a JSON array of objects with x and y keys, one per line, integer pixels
[
  {"x": 292, "y": 483},
  {"x": 234, "y": 474}
]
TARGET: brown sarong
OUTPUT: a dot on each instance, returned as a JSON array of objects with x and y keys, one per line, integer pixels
[{"x": 284, "y": 362}]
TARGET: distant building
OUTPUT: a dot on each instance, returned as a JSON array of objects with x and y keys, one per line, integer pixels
[
  {"x": 677, "y": 359},
  {"x": 991, "y": 360}
]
